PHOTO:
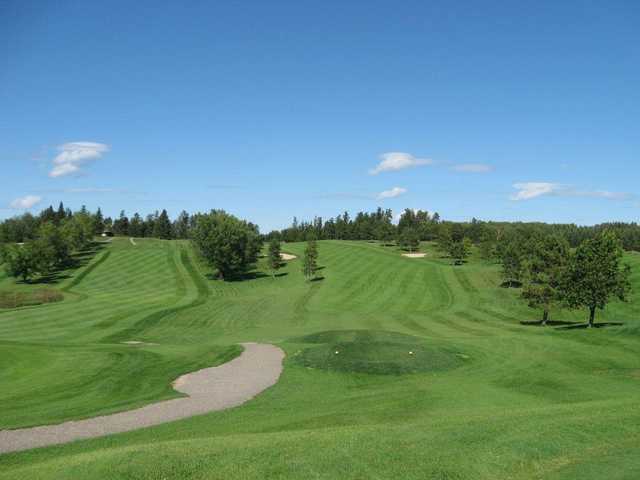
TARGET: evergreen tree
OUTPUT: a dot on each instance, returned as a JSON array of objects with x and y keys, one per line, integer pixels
[
  {"x": 162, "y": 227},
  {"x": 121, "y": 225},
  {"x": 181, "y": 225},
  {"x": 273, "y": 258},
  {"x": 98, "y": 220},
  {"x": 136, "y": 226},
  {"x": 61, "y": 214},
  {"x": 310, "y": 260}
]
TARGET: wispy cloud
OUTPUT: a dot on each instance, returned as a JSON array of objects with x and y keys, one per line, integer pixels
[
  {"x": 472, "y": 168},
  {"x": 74, "y": 155},
  {"x": 529, "y": 190},
  {"x": 393, "y": 161},
  {"x": 26, "y": 202},
  {"x": 393, "y": 193},
  {"x": 344, "y": 195}
]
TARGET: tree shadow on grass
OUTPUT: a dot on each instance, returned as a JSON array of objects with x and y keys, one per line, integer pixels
[
  {"x": 511, "y": 284},
  {"x": 550, "y": 323},
  {"x": 317, "y": 279},
  {"x": 78, "y": 260},
  {"x": 595, "y": 325}
]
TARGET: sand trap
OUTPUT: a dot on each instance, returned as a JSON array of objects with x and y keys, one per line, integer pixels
[
  {"x": 133, "y": 242},
  {"x": 414, "y": 255},
  {"x": 287, "y": 256},
  {"x": 216, "y": 388}
]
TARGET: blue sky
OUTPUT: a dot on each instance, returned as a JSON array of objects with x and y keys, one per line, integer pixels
[{"x": 498, "y": 110}]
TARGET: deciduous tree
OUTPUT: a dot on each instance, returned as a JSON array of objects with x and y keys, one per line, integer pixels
[{"x": 596, "y": 273}]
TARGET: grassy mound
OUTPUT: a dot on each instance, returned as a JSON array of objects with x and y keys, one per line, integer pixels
[{"x": 374, "y": 352}]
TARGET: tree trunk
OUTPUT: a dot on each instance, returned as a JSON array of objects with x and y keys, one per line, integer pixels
[
  {"x": 545, "y": 317},
  {"x": 592, "y": 316}
]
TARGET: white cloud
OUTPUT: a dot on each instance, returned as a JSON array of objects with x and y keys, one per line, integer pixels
[
  {"x": 529, "y": 190},
  {"x": 393, "y": 193},
  {"x": 25, "y": 203},
  {"x": 75, "y": 154},
  {"x": 472, "y": 168},
  {"x": 602, "y": 194},
  {"x": 392, "y": 161}
]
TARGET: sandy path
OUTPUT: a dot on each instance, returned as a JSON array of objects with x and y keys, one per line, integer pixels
[
  {"x": 216, "y": 388},
  {"x": 133, "y": 242},
  {"x": 287, "y": 256}
]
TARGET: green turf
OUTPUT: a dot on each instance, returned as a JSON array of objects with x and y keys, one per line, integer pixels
[
  {"x": 521, "y": 402},
  {"x": 375, "y": 352}
]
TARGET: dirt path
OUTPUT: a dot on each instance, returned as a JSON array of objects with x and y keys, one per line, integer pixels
[
  {"x": 216, "y": 388},
  {"x": 133, "y": 242}
]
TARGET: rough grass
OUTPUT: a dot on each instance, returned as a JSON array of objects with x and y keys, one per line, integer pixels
[
  {"x": 524, "y": 403},
  {"x": 17, "y": 299}
]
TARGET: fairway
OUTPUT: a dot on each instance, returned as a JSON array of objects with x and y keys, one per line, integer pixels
[{"x": 486, "y": 398}]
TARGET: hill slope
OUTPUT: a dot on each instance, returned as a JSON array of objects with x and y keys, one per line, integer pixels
[{"x": 513, "y": 402}]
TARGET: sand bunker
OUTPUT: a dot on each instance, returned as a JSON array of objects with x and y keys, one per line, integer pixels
[
  {"x": 414, "y": 255},
  {"x": 287, "y": 256},
  {"x": 216, "y": 388}
]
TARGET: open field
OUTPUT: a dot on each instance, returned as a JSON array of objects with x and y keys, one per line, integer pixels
[{"x": 480, "y": 397}]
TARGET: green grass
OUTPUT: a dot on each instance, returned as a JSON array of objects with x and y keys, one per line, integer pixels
[
  {"x": 509, "y": 401},
  {"x": 374, "y": 352}
]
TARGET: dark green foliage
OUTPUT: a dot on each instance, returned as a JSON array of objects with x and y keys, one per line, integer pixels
[
  {"x": 460, "y": 250},
  {"x": 98, "y": 220},
  {"x": 374, "y": 352},
  {"x": 511, "y": 257},
  {"x": 365, "y": 226},
  {"x": 595, "y": 274},
  {"x": 181, "y": 226},
  {"x": 162, "y": 227},
  {"x": 53, "y": 250},
  {"x": 543, "y": 270},
  {"x": 273, "y": 256},
  {"x": 228, "y": 244},
  {"x": 310, "y": 260},
  {"x": 409, "y": 239},
  {"x": 21, "y": 261},
  {"x": 121, "y": 225}
]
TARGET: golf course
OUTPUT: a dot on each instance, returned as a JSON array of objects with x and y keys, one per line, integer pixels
[{"x": 395, "y": 367}]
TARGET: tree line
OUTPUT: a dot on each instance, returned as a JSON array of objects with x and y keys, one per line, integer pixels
[
  {"x": 26, "y": 227},
  {"x": 419, "y": 225},
  {"x": 376, "y": 225}
]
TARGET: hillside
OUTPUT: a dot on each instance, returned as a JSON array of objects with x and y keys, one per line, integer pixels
[{"x": 482, "y": 397}]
